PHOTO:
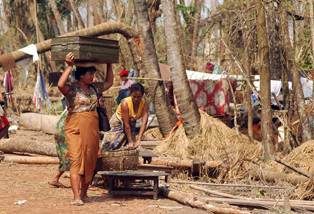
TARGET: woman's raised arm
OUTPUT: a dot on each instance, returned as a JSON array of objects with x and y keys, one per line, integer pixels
[{"x": 65, "y": 75}]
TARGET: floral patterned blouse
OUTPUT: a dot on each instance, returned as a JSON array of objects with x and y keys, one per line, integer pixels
[{"x": 80, "y": 101}]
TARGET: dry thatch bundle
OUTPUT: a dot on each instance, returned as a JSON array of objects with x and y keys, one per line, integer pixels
[
  {"x": 214, "y": 141},
  {"x": 302, "y": 158}
]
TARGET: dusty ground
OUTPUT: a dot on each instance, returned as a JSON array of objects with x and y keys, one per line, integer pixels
[{"x": 30, "y": 182}]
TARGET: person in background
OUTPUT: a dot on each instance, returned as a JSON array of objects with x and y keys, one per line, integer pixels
[
  {"x": 4, "y": 123},
  {"x": 126, "y": 83},
  {"x": 122, "y": 123},
  {"x": 82, "y": 123}
]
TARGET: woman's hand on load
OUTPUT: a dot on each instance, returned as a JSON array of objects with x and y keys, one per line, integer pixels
[{"x": 69, "y": 58}]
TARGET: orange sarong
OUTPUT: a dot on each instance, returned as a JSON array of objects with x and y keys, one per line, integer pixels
[{"x": 82, "y": 137}]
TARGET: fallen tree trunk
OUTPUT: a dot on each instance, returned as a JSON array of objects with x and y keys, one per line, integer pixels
[
  {"x": 275, "y": 176},
  {"x": 39, "y": 122},
  {"x": 31, "y": 160},
  {"x": 105, "y": 28},
  {"x": 28, "y": 146},
  {"x": 193, "y": 202}
]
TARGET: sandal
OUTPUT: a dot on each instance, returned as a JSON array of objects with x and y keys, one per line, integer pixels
[
  {"x": 77, "y": 203},
  {"x": 56, "y": 184}
]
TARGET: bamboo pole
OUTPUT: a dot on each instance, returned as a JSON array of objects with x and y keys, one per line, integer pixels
[
  {"x": 146, "y": 78},
  {"x": 225, "y": 195},
  {"x": 229, "y": 185}
]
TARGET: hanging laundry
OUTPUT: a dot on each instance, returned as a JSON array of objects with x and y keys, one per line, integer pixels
[
  {"x": 31, "y": 50},
  {"x": 7, "y": 83},
  {"x": 40, "y": 92},
  {"x": 132, "y": 73},
  {"x": 25, "y": 63}
]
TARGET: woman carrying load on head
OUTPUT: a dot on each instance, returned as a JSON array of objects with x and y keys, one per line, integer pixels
[
  {"x": 122, "y": 123},
  {"x": 82, "y": 124}
]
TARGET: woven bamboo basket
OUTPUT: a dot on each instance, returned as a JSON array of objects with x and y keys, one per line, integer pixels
[{"x": 118, "y": 160}]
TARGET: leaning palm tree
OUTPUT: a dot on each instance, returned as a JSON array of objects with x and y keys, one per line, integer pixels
[
  {"x": 181, "y": 88},
  {"x": 165, "y": 115}
]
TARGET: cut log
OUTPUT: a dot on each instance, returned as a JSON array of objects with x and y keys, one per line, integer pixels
[
  {"x": 193, "y": 202},
  {"x": 31, "y": 160},
  {"x": 275, "y": 176},
  {"x": 39, "y": 122},
  {"x": 28, "y": 146},
  {"x": 179, "y": 163}
]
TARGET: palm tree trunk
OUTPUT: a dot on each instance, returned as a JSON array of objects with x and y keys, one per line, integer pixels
[
  {"x": 182, "y": 90},
  {"x": 181, "y": 36},
  {"x": 264, "y": 70},
  {"x": 296, "y": 84},
  {"x": 57, "y": 16},
  {"x": 164, "y": 112},
  {"x": 77, "y": 14}
]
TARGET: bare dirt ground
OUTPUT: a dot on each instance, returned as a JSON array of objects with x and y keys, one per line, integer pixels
[{"x": 30, "y": 182}]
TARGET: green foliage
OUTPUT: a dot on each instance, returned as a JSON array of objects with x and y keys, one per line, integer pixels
[
  {"x": 188, "y": 12},
  {"x": 261, "y": 192}
]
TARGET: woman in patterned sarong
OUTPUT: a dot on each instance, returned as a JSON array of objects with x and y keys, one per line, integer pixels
[
  {"x": 122, "y": 123},
  {"x": 62, "y": 151},
  {"x": 82, "y": 123}
]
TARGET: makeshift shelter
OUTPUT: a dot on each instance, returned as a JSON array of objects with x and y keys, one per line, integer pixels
[{"x": 212, "y": 92}]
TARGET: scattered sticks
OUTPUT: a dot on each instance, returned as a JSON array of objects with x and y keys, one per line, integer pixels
[{"x": 193, "y": 202}]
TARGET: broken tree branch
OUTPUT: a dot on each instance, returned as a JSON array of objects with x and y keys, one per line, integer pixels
[{"x": 290, "y": 167}]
